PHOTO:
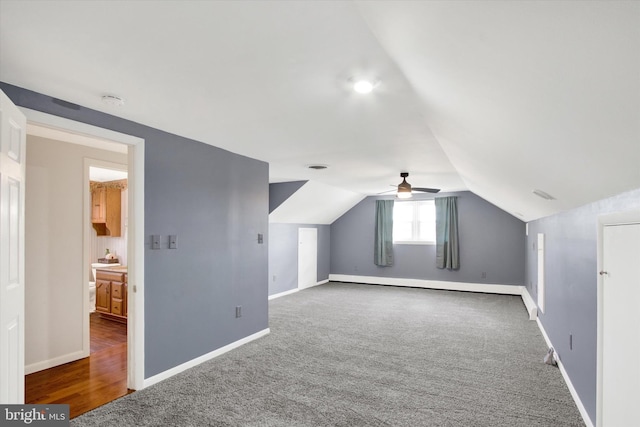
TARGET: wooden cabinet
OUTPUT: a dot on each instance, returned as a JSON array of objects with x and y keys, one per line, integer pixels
[
  {"x": 111, "y": 294},
  {"x": 106, "y": 211},
  {"x": 99, "y": 205},
  {"x": 103, "y": 296}
]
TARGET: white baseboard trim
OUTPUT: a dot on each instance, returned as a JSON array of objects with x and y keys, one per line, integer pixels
[
  {"x": 531, "y": 306},
  {"x": 488, "y": 288},
  {"x": 567, "y": 380},
  {"x": 56, "y": 361},
  {"x": 281, "y": 294},
  {"x": 322, "y": 282},
  {"x": 430, "y": 284},
  {"x": 198, "y": 360}
]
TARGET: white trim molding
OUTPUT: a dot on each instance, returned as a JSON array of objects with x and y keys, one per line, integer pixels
[
  {"x": 50, "y": 363},
  {"x": 291, "y": 291},
  {"x": 430, "y": 284},
  {"x": 322, "y": 282},
  {"x": 529, "y": 304},
  {"x": 281, "y": 294},
  {"x": 486, "y": 288},
  {"x": 567, "y": 380},
  {"x": 198, "y": 360}
]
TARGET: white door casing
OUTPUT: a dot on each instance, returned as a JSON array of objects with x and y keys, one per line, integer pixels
[
  {"x": 307, "y": 257},
  {"x": 135, "y": 241},
  {"x": 541, "y": 284},
  {"x": 12, "y": 173},
  {"x": 618, "y": 376}
]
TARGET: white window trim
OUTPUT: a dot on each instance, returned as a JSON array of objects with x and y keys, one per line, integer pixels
[{"x": 415, "y": 242}]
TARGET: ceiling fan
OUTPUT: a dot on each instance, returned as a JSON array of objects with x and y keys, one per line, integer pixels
[{"x": 405, "y": 189}]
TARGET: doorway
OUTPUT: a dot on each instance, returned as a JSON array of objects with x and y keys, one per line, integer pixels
[
  {"x": 60, "y": 330},
  {"x": 80, "y": 133},
  {"x": 618, "y": 374}
]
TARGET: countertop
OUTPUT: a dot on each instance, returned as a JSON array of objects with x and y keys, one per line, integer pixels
[{"x": 118, "y": 269}]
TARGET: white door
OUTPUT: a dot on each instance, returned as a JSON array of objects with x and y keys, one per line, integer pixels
[
  {"x": 307, "y": 257},
  {"x": 620, "y": 326},
  {"x": 12, "y": 171}
]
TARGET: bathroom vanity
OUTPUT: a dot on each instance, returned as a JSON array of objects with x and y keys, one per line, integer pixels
[{"x": 111, "y": 293}]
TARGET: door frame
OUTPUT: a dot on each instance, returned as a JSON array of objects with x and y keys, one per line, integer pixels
[
  {"x": 86, "y": 239},
  {"x": 135, "y": 242},
  {"x": 619, "y": 218}
]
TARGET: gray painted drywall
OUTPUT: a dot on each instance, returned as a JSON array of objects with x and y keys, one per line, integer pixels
[
  {"x": 283, "y": 255},
  {"x": 571, "y": 286},
  {"x": 281, "y": 191},
  {"x": 491, "y": 241},
  {"x": 216, "y": 202}
]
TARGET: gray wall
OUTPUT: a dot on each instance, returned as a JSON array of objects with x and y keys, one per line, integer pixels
[
  {"x": 571, "y": 286},
  {"x": 491, "y": 241},
  {"x": 216, "y": 202},
  {"x": 283, "y": 255},
  {"x": 281, "y": 191}
]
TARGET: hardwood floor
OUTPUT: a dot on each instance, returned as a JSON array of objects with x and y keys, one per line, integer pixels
[{"x": 90, "y": 382}]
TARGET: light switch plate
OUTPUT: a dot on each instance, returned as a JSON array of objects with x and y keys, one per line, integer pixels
[
  {"x": 155, "y": 241},
  {"x": 173, "y": 241}
]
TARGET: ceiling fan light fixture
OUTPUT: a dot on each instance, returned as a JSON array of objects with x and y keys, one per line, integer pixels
[
  {"x": 404, "y": 188},
  {"x": 404, "y": 194}
]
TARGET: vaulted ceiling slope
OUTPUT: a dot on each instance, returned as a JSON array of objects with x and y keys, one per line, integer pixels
[{"x": 500, "y": 98}]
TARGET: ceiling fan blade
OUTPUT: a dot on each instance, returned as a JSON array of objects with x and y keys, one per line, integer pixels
[
  {"x": 426, "y": 190},
  {"x": 388, "y": 191}
]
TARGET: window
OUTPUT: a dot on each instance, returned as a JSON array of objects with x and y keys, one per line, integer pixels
[{"x": 414, "y": 222}]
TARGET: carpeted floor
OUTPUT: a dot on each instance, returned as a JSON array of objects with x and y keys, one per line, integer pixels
[{"x": 362, "y": 355}]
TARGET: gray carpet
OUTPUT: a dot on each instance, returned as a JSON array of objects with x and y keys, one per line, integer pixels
[{"x": 361, "y": 355}]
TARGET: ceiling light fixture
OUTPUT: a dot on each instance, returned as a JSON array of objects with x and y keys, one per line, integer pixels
[
  {"x": 544, "y": 195},
  {"x": 112, "y": 100},
  {"x": 404, "y": 188},
  {"x": 364, "y": 86}
]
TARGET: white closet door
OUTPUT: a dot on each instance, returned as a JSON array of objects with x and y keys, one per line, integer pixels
[
  {"x": 307, "y": 257},
  {"x": 12, "y": 172}
]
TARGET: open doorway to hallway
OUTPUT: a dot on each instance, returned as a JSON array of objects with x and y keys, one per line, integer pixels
[{"x": 73, "y": 355}]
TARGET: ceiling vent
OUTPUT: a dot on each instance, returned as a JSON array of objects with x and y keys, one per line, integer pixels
[
  {"x": 112, "y": 100},
  {"x": 544, "y": 195}
]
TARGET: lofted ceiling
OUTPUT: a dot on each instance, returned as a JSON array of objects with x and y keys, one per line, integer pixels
[{"x": 496, "y": 97}]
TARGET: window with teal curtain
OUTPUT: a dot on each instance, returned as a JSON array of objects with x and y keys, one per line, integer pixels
[
  {"x": 447, "y": 251},
  {"x": 383, "y": 250}
]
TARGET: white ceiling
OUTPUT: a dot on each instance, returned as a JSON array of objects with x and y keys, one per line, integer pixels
[{"x": 499, "y": 98}]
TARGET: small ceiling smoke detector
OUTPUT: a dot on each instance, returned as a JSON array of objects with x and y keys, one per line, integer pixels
[
  {"x": 317, "y": 167},
  {"x": 112, "y": 100},
  {"x": 544, "y": 195},
  {"x": 364, "y": 86}
]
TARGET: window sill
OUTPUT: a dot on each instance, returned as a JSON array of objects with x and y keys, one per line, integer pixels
[{"x": 412, "y": 242}]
